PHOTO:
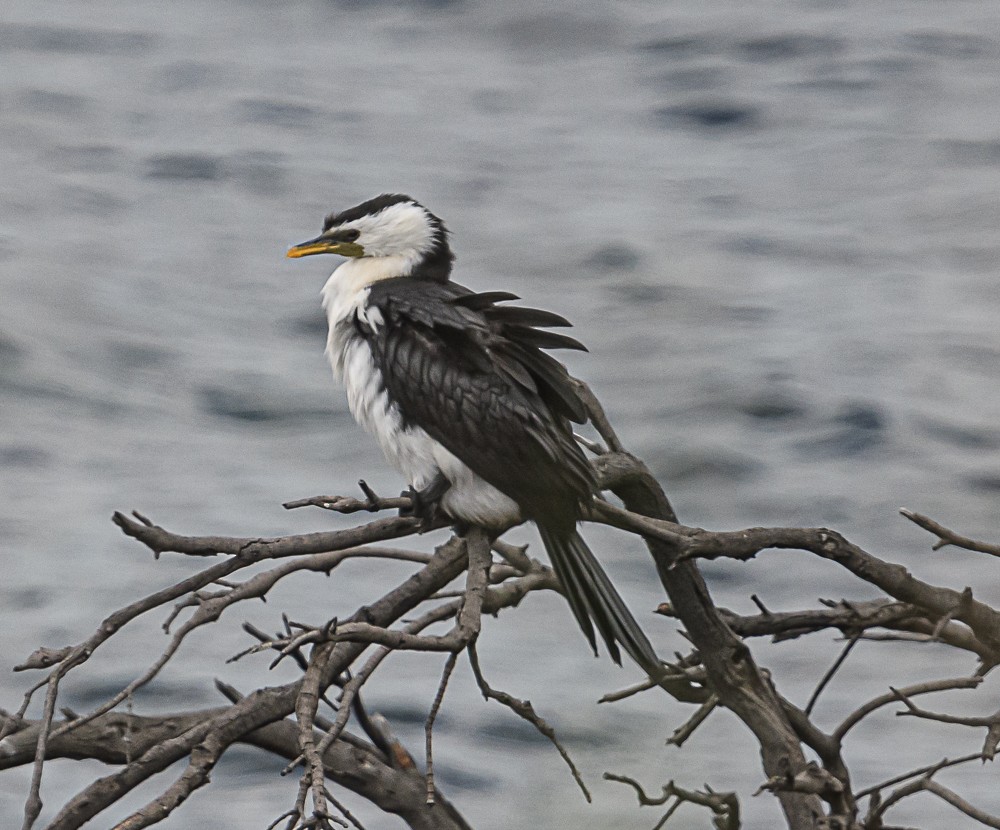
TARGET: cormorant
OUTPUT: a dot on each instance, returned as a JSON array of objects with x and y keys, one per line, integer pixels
[{"x": 457, "y": 391}]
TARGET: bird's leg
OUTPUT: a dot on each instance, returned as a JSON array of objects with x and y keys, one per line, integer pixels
[{"x": 425, "y": 504}]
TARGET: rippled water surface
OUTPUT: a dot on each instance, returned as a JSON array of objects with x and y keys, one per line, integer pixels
[{"x": 774, "y": 225}]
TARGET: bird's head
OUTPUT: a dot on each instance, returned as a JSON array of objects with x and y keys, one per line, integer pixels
[{"x": 389, "y": 226}]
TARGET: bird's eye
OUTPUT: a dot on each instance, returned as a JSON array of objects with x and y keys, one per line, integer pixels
[{"x": 350, "y": 235}]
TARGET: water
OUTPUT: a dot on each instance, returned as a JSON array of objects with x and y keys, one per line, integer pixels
[{"x": 774, "y": 226}]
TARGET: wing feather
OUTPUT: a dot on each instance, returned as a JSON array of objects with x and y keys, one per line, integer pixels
[{"x": 480, "y": 384}]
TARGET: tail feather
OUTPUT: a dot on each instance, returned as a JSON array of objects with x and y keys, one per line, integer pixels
[{"x": 595, "y": 602}]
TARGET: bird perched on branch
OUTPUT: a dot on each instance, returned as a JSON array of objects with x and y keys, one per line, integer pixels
[{"x": 457, "y": 391}]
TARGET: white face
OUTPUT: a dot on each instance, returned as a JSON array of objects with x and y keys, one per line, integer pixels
[{"x": 402, "y": 230}]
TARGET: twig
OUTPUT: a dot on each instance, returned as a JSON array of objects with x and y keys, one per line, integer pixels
[
  {"x": 262, "y": 707},
  {"x": 597, "y": 415},
  {"x": 725, "y": 805},
  {"x": 927, "y": 687},
  {"x": 642, "y": 686},
  {"x": 524, "y": 709},
  {"x": 33, "y": 805},
  {"x": 990, "y": 722},
  {"x": 831, "y": 672},
  {"x": 954, "y": 762},
  {"x": 449, "y": 667},
  {"x": 686, "y": 730},
  {"x": 948, "y": 537},
  {"x": 927, "y": 784}
]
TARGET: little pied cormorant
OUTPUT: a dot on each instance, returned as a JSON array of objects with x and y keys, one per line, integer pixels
[{"x": 462, "y": 399}]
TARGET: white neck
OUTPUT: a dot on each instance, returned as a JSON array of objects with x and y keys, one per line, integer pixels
[{"x": 346, "y": 294}]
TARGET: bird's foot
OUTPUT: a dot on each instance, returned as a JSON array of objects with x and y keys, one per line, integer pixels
[{"x": 425, "y": 504}]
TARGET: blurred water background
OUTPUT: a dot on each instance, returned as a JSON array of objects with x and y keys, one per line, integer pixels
[{"x": 774, "y": 224}]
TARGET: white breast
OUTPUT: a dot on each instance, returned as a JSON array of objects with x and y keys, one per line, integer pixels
[{"x": 409, "y": 449}]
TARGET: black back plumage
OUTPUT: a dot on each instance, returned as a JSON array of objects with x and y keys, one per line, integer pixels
[{"x": 472, "y": 374}]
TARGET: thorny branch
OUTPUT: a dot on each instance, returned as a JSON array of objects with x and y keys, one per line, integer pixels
[{"x": 342, "y": 655}]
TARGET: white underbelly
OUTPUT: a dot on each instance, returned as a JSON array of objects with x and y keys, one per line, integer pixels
[{"x": 412, "y": 451}]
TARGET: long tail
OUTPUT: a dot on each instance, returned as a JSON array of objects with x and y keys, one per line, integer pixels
[{"x": 594, "y": 600}]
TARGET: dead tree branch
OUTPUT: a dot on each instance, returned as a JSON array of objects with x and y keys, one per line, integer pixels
[{"x": 343, "y": 655}]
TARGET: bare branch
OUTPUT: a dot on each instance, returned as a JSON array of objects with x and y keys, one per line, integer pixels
[
  {"x": 944, "y": 764},
  {"x": 990, "y": 722},
  {"x": 725, "y": 806},
  {"x": 686, "y": 730},
  {"x": 948, "y": 537},
  {"x": 928, "y": 687},
  {"x": 525, "y": 710},
  {"x": 830, "y": 673},
  {"x": 695, "y": 543},
  {"x": 449, "y": 666}
]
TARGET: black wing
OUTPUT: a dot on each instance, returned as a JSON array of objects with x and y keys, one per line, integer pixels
[{"x": 473, "y": 376}]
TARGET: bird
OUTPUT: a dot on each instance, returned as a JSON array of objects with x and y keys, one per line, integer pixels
[{"x": 462, "y": 397}]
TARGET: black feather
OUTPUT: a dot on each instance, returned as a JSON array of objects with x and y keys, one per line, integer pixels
[
  {"x": 518, "y": 316},
  {"x": 543, "y": 339},
  {"x": 474, "y": 377},
  {"x": 594, "y": 599},
  {"x": 554, "y": 380},
  {"x": 477, "y": 302}
]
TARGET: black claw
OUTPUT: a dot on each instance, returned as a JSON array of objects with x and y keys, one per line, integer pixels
[{"x": 426, "y": 504}]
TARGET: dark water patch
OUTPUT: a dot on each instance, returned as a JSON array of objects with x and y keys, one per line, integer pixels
[
  {"x": 753, "y": 245},
  {"x": 710, "y": 116},
  {"x": 397, "y": 712},
  {"x": 90, "y": 158},
  {"x": 560, "y": 33},
  {"x": 53, "y": 103},
  {"x": 428, "y": 5},
  {"x": 11, "y": 355},
  {"x": 262, "y": 173},
  {"x": 278, "y": 113},
  {"x": 750, "y": 315},
  {"x": 773, "y": 406},
  {"x": 975, "y": 152},
  {"x": 89, "y": 692},
  {"x": 681, "y": 46},
  {"x": 185, "y": 167},
  {"x": 640, "y": 293},
  {"x": 783, "y": 47},
  {"x": 861, "y": 416},
  {"x": 497, "y": 731},
  {"x": 858, "y": 429},
  {"x": 39, "y": 38},
  {"x": 11, "y": 384},
  {"x": 311, "y": 324},
  {"x": 252, "y": 404},
  {"x": 249, "y": 765},
  {"x": 966, "y": 438},
  {"x": 614, "y": 256},
  {"x": 25, "y": 456},
  {"x": 988, "y": 483},
  {"x": 7, "y": 250},
  {"x": 949, "y": 44},
  {"x": 28, "y": 598},
  {"x": 974, "y": 356},
  {"x": 837, "y": 79},
  {"x": 694, "y": 79},
  {"x": 124, "y": 356},
  {"x": 92, "y": 200},
  {"x": 705, "y": 466},
  {"x": 980, "y": 259},
  {"x": 456, "y": 777},
  {"x": 832, "y": 250},
  {"x": 184, "y": 76}
]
